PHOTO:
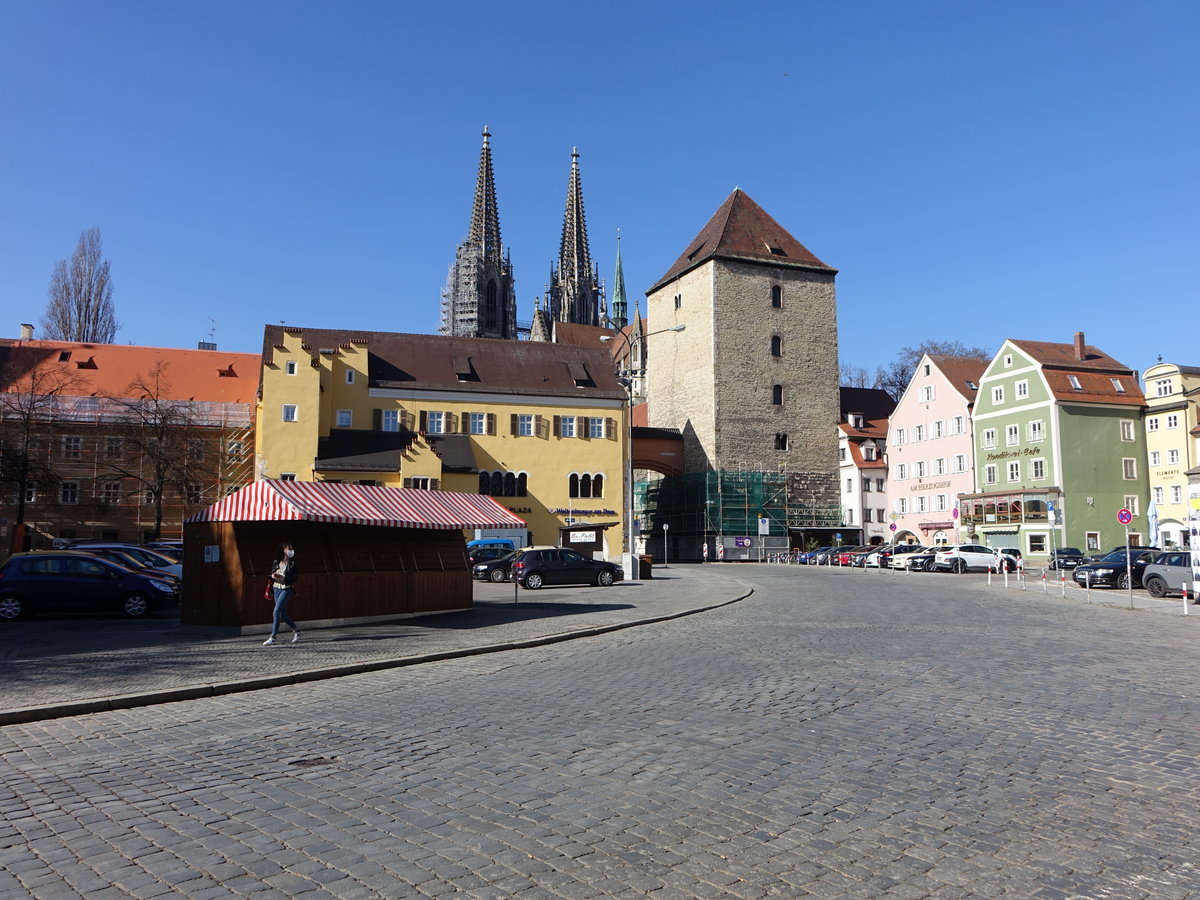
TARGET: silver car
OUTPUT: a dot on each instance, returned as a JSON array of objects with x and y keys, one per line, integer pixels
[{"x": 1168, "y": 573}]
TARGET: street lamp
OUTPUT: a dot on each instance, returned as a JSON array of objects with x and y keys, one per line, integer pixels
[{"x": 626, "y": 379}]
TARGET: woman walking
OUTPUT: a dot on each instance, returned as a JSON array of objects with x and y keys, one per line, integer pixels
[{"x": 283, "y": 579}]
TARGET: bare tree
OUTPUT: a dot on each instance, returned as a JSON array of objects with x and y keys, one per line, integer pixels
[
  {"x": 895, "y": 378},
  {"x": 859, "y": 376},
  {"x": 81, "y": 307},
  {"x": 165, "y": 447},
  {"x": 32, "y": 391}
]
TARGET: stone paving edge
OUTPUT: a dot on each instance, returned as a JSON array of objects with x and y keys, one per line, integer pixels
[{"x": 27, "y": 714}]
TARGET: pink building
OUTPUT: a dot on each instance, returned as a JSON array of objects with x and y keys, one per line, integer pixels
[{"x": 930, "y": 455}]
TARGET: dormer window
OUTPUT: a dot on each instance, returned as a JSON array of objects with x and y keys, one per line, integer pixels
[
  {"x": 1117, "y": 386},
  {"x": 1074, "y": 382},
  {"x": 855, "y": 420}
]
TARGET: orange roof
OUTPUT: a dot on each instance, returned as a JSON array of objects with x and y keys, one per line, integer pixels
[
  {"x": 1100, "y": 378},
  {"x": 108, "y": 370},
  {"x": 962, "y": 372},
  {"x": 578, "y": 335}
]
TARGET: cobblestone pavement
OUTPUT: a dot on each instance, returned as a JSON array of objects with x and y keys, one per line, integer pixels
[{"x": 834, "y": 734}]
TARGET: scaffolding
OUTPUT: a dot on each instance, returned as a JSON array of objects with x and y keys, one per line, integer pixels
[{"x": 699, "y": 507}]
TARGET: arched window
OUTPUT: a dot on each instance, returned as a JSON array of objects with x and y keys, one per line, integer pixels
[
  {"x": 522, "y": 484},
  {"x": 573, "y": 485},
  {"x": 777, "y": 395},
  {"x": 497, "y": 484},
  {"x": 485, "y": 483},
  {"x": 510, "y": 485},
  {"x": 585, "y": 486},
  {"x": 776, "y": 346},
  {"x": 597, "y": 485}
]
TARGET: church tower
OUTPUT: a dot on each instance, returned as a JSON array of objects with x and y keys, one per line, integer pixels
[
  {"x": 479, "y": 299},
  {"x": 620, "y": 306},
  {"x": 575, "y": 294}
]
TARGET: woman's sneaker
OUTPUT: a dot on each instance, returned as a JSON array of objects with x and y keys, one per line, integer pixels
[
  {"x": 295, "y": 636},
  {"x": 269, "y": 640}
]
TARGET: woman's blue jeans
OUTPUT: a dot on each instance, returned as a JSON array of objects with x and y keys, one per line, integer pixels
[{"x": 282, "y": 596}]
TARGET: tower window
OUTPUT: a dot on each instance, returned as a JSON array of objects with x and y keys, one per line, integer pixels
[
  {"x": 777, "y": 395},
  {"x": 679, "y": 301},
  {"x": 777, "y": 296},
  {"x": 781, "y": 441},
  {"x": 776, "y": 346}
]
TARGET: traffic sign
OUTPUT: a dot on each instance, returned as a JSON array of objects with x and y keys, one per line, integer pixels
[
  {"x": 1124, "y": 516},
  {"x": 892, "y": 526}
]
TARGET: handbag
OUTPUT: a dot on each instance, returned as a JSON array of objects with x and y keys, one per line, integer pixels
[{"x": 269, "y": 594}]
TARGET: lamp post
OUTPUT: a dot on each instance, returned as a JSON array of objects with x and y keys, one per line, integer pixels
[{"x": 626, "y": 379}]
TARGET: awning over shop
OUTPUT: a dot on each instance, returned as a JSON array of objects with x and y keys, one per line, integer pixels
[{"x": 358, "y": 504}]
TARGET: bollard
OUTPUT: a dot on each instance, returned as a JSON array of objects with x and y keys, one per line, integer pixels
[
  {"x": 1062, "y": 578},
  {"x": 1087, "y": 585},
  {"x": 989, "y": 576},
  {"x": 1006, "y": 577},
  {"x": 1045, "y": 587},
  {"x": 1185, "y": 609}
]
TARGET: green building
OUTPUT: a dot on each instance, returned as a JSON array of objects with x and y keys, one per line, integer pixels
[{"x": 1059, "y": 451}]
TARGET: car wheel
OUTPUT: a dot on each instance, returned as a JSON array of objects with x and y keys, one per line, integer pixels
[
  {"x": 605, "y": 578},
  {"x": 1123, "y": 581},
  {"x": 135, "y": 605},
  {"x": 10, "y": 608},
  {"x": 1156, "y": 587},
  {"x": 960, "y": 566},
  {"x": 533, "y": 581},
  {"x": 498, "y": 575},
  {"x": 1052, "y": 566}
]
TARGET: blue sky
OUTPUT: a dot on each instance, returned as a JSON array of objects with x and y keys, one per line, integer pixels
[{"x": 975, "y": 171}]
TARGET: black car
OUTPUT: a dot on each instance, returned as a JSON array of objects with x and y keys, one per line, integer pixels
[
  {"x": 537, "y": 566},
  {"x": 921, "y": 561},
  {"x": 72, "y": 582},
  {"x": 1115, "y": 569},
  {"x": 486, "y": 554},
  {"x": 1066, "y": 558},
  {"x": 495, "y": 569},
  {"x": 129, "y": 561}
]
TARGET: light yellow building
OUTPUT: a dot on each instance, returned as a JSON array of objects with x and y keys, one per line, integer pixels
[
  {"x": 538, "y": 426},
  {"x": 1172, "y": 424}
]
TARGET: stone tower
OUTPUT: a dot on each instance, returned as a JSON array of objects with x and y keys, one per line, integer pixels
[
  {"x": 479, "y": 299},
  {"x": 574, "y": 294},
  {"x": 752, "y": 383}
]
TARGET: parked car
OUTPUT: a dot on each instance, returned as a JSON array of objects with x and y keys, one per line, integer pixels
[
  {"x": 961, "y": 557},
  {"x": 1008, "y": 559},
  {"x": 488, "y": 553},
  {"x": 130, "y": 561},
  {"x": 879, "y": 558},
  {"x": 1114, "y": 570},
  {"x": 537, "y": 566},
  {"x": 68, "y": 581},
  {"x": 1168, "y": 573},
  {"x": 1065, "y": 558},
  {"x": 145, "y": 554},
  {"x": 901, "y": 552},
  {"x": 1099, "y": 556},
  {"x": 495, "y": 570},
  {"x": 921, "y": 560},
  {"x": 858, "y": 558},
  {"x": 821, "y": 556},
  {"x": 843, "y": 554}
]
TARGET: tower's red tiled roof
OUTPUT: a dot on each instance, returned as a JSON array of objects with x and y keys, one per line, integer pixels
[{"x": 741, "y": 229}]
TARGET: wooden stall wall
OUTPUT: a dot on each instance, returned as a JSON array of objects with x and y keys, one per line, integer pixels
[{"x": 347, "y": 572}]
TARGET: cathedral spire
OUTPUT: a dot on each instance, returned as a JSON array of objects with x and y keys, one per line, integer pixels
[
  {"x": 485, "y": 216},
  {"x": 479, "y": 299},
  {"x": 575, "y": 294},
  {"x": 620, "y": 306}
]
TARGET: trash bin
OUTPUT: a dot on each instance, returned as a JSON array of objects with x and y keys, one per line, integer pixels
[{"x": 645, "y": 565}]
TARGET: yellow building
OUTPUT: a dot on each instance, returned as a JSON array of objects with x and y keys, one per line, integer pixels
[
  {"x": 539, "y": 426},
  {"x": 1172, "y": 425}
]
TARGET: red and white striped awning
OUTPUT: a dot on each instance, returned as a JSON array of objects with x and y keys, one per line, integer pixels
[{"x": 358, "y": 504}]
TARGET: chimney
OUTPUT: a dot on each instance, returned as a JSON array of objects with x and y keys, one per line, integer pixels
[
  {"x": 1079, "y": 346},
  {"x": 26, "y": 331}
]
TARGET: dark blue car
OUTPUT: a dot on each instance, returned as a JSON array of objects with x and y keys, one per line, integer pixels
[{"x": 63, "y": 581}]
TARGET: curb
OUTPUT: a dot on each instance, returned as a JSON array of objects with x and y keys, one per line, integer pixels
[{"x": 27, "y": 714}]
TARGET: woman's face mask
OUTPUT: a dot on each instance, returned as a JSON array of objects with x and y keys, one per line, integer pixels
[{"x": 290, "y": 553}]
